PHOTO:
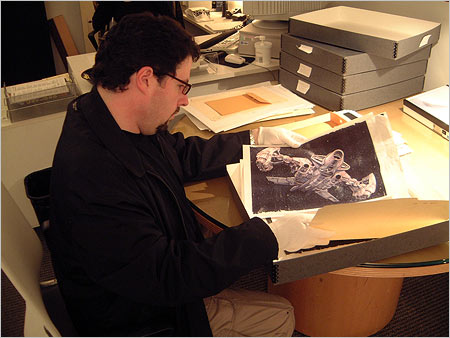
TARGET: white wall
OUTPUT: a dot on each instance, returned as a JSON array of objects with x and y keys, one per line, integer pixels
[{"x": 437, "y": 11}]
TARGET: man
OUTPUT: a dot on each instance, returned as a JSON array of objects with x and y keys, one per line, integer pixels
[{"x": 127, "y": 249}]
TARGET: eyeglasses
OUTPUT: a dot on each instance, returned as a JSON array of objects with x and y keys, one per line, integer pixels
[{"x": 187, "y": 86}]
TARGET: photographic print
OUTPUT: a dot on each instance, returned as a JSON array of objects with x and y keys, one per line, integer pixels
[{"x": 340, "y": 167}]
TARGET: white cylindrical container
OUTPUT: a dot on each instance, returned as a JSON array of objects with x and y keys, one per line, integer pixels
[{"x": 263, "y": 51}]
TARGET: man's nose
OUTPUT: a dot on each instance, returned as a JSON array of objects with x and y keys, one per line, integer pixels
[{"x": 184, "y": 101}]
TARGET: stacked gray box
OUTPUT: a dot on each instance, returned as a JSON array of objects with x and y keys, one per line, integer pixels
[{"x": 339, "y": 78}]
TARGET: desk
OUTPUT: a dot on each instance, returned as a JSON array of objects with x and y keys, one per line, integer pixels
[{"x": 361, "y": 300}]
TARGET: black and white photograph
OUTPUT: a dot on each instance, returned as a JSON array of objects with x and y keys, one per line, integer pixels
[{"x": 340, "y": 167}]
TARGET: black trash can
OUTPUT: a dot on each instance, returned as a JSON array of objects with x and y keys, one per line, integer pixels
[{"x": 37, "y": 188}]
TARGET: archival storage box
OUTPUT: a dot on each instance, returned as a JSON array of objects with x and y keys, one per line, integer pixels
[
  {"x": 361, "y": 232},
  {"x": 431, "y": 109},
  {"x": 343, "y": 61},
  {"x": 40, "y": 103},
  {"x": 399, "y": 226},
  {"x": 319, "y": 261},
  {"x": 356, "y": 101},
  {"x": 386, "y": 35},
  {"x": 354, "y": 83}
]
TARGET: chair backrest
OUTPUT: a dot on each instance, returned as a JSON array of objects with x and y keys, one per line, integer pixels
[{"x": 21, "y": 261}]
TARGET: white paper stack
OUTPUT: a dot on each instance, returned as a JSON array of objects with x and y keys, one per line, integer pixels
[{"x": 234, "y": 108}]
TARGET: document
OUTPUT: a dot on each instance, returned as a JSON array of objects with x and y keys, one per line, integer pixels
[
  {"x": 235, "y": 108},
  {"x": 238, "y": 103},
  {"x": 355, "y": 162}
]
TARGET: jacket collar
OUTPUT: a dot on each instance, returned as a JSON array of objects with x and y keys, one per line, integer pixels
[{"x": 108, "y": 131}]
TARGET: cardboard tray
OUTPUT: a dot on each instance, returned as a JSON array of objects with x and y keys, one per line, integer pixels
[
  {"x": 340, "y": 60},
  {"x": 352, "y": 83},
  {"x": 386, "y": 35},
  {"x": 356, "y": 101}
]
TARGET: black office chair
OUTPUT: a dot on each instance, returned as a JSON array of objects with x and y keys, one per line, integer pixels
[
  {"x": 57, "y": 322},
  {"x": 45, "y": 312}
]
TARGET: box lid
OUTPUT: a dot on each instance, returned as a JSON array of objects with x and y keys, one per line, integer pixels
[
  {"x": 431, "y": 109},
  {"x": 386, "y": 35},
  {"x": 340, "y": 60}
]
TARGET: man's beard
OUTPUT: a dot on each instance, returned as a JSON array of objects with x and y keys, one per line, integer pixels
[
  {"x": 162, "y": 127},
  {"x": 165, "y": 126}
]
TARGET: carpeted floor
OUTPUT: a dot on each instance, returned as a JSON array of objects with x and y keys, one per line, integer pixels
[{"x": 422, "y": 309}]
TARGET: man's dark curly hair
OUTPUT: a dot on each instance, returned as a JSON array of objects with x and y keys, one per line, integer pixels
[{"x": 140, "y": 40}]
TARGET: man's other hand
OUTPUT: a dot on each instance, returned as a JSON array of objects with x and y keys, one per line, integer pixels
[{"x": 277, "y": 136}]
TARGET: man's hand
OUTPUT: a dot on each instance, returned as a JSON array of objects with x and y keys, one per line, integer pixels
[
  {"x": 276, "y": 136},
  {"x": 293, "y": 233}
]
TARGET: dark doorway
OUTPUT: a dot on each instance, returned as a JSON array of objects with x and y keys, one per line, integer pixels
[{"x": 26, "y": 48}]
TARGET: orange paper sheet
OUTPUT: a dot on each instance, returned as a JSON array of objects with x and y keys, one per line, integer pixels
[
  {"x": 235, "y": 104},
  {"x": 380, "y": 218}
]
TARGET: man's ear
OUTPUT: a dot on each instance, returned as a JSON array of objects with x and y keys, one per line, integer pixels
[{"x": 145, "y": 78}]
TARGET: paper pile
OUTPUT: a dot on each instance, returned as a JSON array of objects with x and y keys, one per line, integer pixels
[
  {"x": 234, "y": 108},
  {"x": 357, "y": 161}
]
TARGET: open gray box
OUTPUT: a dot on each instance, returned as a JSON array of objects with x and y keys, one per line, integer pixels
[
  {"x": 343, "y": 61},
  {"x": 356, "y": 101},
  {"x": 351, "y": 83},
  {"x": 342, "y": 254},
  {"x": 318, "y": 261},
  {"x": 386, "y": 35}
]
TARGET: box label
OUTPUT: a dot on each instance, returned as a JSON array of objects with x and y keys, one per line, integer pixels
[
  {"x": 302, "y": 87},
  {"x": 304, "y": 70}
]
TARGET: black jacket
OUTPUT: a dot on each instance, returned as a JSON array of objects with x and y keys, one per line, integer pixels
[{"x": 126, "y": 247}]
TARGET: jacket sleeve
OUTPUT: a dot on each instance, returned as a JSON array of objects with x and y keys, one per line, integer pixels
[
  {"x": 203, "y": 159},
  {"x": 122, "y": 245}
]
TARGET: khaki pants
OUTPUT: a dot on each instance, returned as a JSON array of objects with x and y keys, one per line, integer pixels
[{"x": 244, "y": 313}]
